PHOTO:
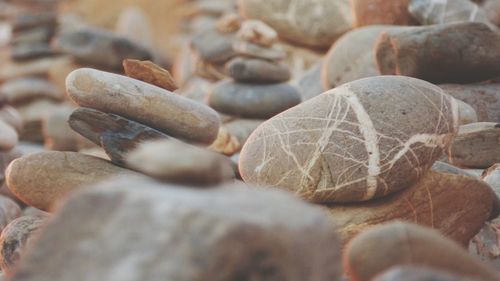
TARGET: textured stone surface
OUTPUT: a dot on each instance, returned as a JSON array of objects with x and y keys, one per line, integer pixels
[
  {"x": 427, "y": 203},
  {"x": 419, "y": 273},
  {"x": 382, "y": 247},
  {"x": 252, "y": 101},
  {"x": 428, "y": 12},
  {"x": 42, "y": 179},
  {"x": 101, "y": 48},
  {"x": 486, "y": 244},
  {"x": 484, "y": 98},
  {"x": 172, "y": 114},
  {"x": 117, "y": 135},
  {"x": 180, "y": 234},
  {"x": 371, "y": 12},
  {"x": 315, "y": 24},
  {"x": 353, "y": 143},
  {"x": 174, "y": 161},
  {"x": 351, "y": 57},
  {"x": 150, "y": 73},
  {"x": 477, "y": 145},
  {"x": 257, "y": 71},
  {"x": 425, "y": 53},
  {"x": 14, "y": 239},
  {"x": 22, "y": 90}
]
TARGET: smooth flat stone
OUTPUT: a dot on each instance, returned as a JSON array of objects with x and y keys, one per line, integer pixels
[
  {"x": 427, "y": 203},
  {"x": 37, "y": 67},
  {"x": 428, "y": 12},
  {"x": 372, "y": 12},
  {"x": 8, "y": 136},
  {"x": 31, "y": 20},
  {"x": 484, "y": 98},
  {"x": 419, "y": 273},
  {"x": 117, "y": 135},
  {"x": 424, "y": 52},
  {"x": 257, "y": 71},
  {"x": 42, "y": 179},
  {"x": 23, "y": 90},
  {"x": 234, "y": 223},
  {"x": 33, "y": 35},
  {"x": 477, "y": 145},
  {"x": 251, "y": 100},
  {"x": 101, "y": 48},
  {"x": 24, "y": 52},
  {"x": 152, "y": 106},
  {"x": 247, "y": 49},
  {"x": 177, "y": 162},
  {"x": 353, "y": 143},
  {"x": 213, "y": 46},
  {"x": 315, "y": 24},
  {"x": 400, "y": 243},
  {"x": 15, "y": 238}
]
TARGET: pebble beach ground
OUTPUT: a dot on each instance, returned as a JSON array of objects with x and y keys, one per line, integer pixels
[{"x": 224, "y": 140}]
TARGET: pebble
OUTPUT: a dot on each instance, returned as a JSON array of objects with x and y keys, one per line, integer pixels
[
  {"x": 100, "y": 48},
  {"x": 177, "y": 162},
  {"x": 8, "y": 136},
  {"x": 12, "y": 117},
  {"x": 56, "y": 131},
  {"x": 477, "y": 145},
  {"x": 247, "y": 231},
  {"x": 23, "y": 52},
  {"x": 343, "y": 145},
  {"x": 351, "y": 57},
  {"x": 484, "y": 98},
  {"x": 315, "y": 24},
  {"x": 242, "y": 128},
  {"x": 257, "y": 32},
  {"x": 33, "y": 115},
  {"x": 213, "y": 46},
  {"x": 9, "y": 211},
  {"x": 26, "y": 21},
  {"x": 424, "y": 52},
  {"x": 37, "y": 67},
  {"x": 427, "y": 203},
  {"x": 53, "y": 175},
  {"x": 310, "y": 82},
  {"x": 486, "y": 244},
  {"x": 23, "y": 90},
  {"x": 33, "y": 35},
  {"x": 150, "y": 73},
  {"x": 174, "y": 115},
  {"x": 492, "y": 8},
  {"x": 228, "y": 23},
  {"x": 429, "y": 12},
  {"x": 252, "y": 101},
  {"x": 257, "y": 71},
  {"x": 243, "y": 48},
  {"x": 225, "y": 143},
  {"x": 117, "y": 135},
  {"x": 372, "y": 12},
  {"x": 419, "y": 273},
  {"x": 466, "y": 113},
  {"x": 399, "y": 243},
  {"x": 15, "y": 238}
]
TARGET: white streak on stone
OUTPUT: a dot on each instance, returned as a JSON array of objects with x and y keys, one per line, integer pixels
[
  {"x": 429, "y": 140},
  {"x": 371, "y": 140}
]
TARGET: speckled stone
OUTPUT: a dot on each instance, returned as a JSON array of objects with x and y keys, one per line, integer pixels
[{"x": 353, "y": 143}]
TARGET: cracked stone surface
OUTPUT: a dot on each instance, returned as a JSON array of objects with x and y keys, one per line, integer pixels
[
  {"x": 425, "y": 203},
  {"x": 314, "y": 23},
  {"x": 231, "y": 233},
  {"x": 360, "y": 141}
]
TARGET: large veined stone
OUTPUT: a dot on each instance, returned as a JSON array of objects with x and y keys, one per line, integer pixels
[
  {"x": 360, "y": 141},
  {"x": 313, "y": 23},
  {"x": 231, "y": 233}
]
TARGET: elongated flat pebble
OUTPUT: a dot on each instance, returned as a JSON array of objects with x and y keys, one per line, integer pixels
[
  {"x": 484, "y": 98},
  {"x": 117, "y": 135},
  {"x": 252, "y": 101},
  {"x": 248, "y": 49},
  {"x": 477, "y": 145},
  {"x": 399, "y": 243},
  {"x": 213, "y": 46},
  {"x": 42, "y": 179},
  {"x": 147, "y": 104},
  {"x": 257, "y": 71},
  {"x": 22, "y": 90},
  {"x": 363, "y": 140}
]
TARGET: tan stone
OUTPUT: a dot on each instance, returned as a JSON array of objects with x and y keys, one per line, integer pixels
[
  {"x": 428, "y": 203},
  {"x": 225, "y": 143},
  {"x": 57, "y": 132},
  {"x": 394, "y": 244},
  {"x": 42, "y": 179},
  {"x": 172, "y": 114},
  {"x": 257, "y": 32},
  {"x": 8, "y": 136},
  {"x": 150, "y": 73},
  {"x": 316, "y": 24},
  {"x": 12, "y": 117},
  {"x": 353, "y": 143},
  {"x": 22, "y": 90},
  {"x": 33, "y": 115},
  {"x": 371, "y": 12},
  {"x": 13, "y": 70}
]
